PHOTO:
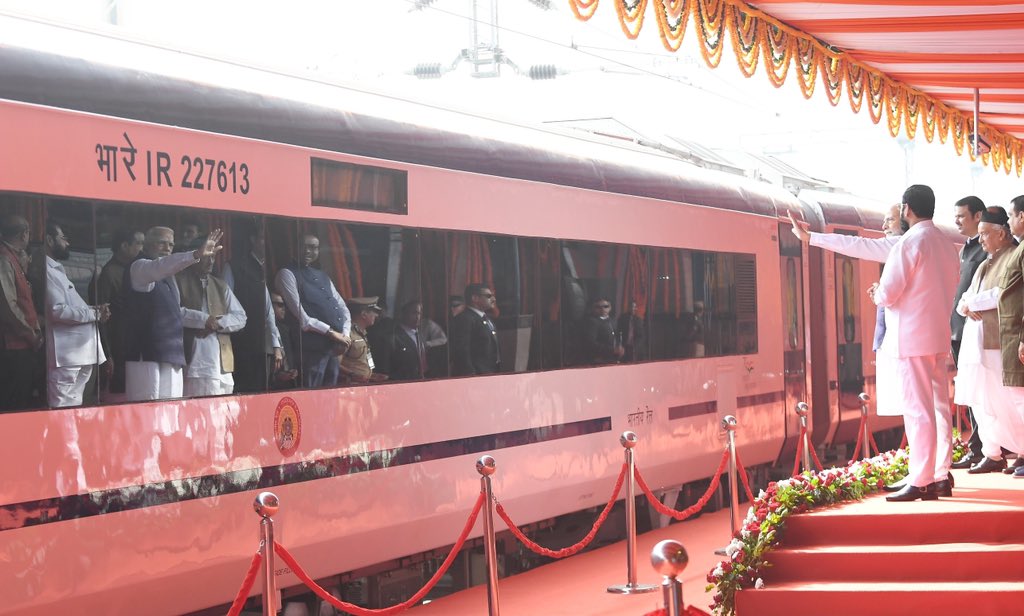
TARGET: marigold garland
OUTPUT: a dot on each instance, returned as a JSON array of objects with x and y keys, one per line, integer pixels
[{"x": 757, "y": 36}]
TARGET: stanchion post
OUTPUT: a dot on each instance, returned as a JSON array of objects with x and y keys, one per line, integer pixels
[
  {"x": 729, "y": 425},
  {"x": 486, "y": 467},
  {"x": 802, "y": 410},
  {"x": 628, "y": 440},
  {"x": 864, "y": 399},
  {"x": 266, "y": 505},
  {"x": 669, "y": 558}
]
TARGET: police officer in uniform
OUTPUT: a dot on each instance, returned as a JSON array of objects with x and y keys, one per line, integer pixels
[{"x": 357, "y": 359}]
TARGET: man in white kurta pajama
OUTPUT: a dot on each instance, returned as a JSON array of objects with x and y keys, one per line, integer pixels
[{"x": 920, "y": 275}]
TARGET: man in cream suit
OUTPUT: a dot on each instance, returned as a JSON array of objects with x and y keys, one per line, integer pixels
[
  {"x": 72, "y": 333},
  {"x": 920, "y": 274}
]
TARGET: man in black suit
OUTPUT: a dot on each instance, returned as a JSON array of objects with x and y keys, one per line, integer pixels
[
  {"x": 967, "y": 217},
  {"x": 474, "y": 340},
  {"x": 598, "y": 343},
  {"x": 408, "y": 353}
]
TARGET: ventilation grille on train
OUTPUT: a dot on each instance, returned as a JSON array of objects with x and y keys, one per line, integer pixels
[{"x": 746, "y": 285}]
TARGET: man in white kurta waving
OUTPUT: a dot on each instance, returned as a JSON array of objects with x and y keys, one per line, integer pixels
[{"x": 920, "y": 276}]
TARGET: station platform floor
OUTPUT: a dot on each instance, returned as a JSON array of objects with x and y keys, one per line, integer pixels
[{"x": 576, "y": 586}]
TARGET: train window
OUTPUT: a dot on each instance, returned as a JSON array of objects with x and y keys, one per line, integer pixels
[
  {"x": 258, "y": 352},
  {"x": 678, "y": 319},
  {"x": 71, "y": 320},
  {"x": 440, "y": 303},
  {"x": 22, "y": 352},
  {"x": 359, "y": 187},
  {"x": 493, "y": 331},
  {"x": 726, "y": 285},
  {"x": 549, "y": 289},
  {"x": 604, "y": 293}
]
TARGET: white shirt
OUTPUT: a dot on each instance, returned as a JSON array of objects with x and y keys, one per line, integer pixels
[
  {"x": 870, "y": 248},
  {"x": 206, "y": 351},
  {"x": 72, "y": 336},
  {"x": 289, "y": 290}
]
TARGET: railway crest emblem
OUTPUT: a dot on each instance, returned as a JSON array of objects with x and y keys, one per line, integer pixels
[{"x": 287, "y": 426}]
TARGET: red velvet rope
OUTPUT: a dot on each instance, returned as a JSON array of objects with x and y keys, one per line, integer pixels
[
  {"x": 689, "y": 511},
  {"x": 243, "y": 592},
  {"x": 799, "y": 451},
  {"x": 743, "y": 477},
  {"x": 572, "y": 549},
  {"x": 817, "y": 462},
  {"x": 394, "y": 609},
  {"x": 873, "y": 444}
]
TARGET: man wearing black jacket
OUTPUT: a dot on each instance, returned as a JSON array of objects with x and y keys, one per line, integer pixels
[{"x": 474, "y": 340}]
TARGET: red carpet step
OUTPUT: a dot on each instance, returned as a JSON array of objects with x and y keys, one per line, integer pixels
[{"x": 961, "y": 555}]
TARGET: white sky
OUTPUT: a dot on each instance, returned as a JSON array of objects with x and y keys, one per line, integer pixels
[{"x": 376, "y": 44}]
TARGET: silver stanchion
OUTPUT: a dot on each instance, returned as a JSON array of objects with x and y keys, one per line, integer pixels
[
  {"x": 864, "y": 399},
  {"x": 729, "y": 425},
  {"x": 669, "y": 558},
  {"x": 802, "y": 410},
  {"x": 266, "y": 505},
  {"x": 628, "y": 441},
  {"x": 486, "y": 467}
]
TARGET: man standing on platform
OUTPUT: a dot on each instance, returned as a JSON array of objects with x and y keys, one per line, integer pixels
[
  {"x": 920, "y": 274},
  {"x": 967, "y": 217},
  {"x": 1011, "y": 319}
]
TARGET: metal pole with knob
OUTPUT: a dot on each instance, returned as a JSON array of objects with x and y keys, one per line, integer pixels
[
  {"x": 266, "y": 505},
  {"x": 802, "y": 410},
  {"x": 669, "y": 558},
  {"x": 628, "y": 441},
  {"x": 864, "y": 399},
  {"x": 729, "y": 425},
  {"x": 486, "y": 467}
]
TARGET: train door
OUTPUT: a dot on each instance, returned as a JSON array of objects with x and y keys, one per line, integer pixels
[
  {"x": 849, "y": 335},
  {"x": 791, "y": 263}
]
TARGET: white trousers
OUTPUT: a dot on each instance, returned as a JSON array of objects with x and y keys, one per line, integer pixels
[
  {"x": 65, "y": 386},
  {"x": 923, "y": 381},
  {"x": 203, "y": 386},
  {"x": 150, "y": 380}
]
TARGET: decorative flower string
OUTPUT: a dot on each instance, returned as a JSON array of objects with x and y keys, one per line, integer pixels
[{"x": 757, "y": 36}]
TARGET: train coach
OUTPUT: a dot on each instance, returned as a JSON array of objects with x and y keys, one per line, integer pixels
[{"x": 116, "y": 504}]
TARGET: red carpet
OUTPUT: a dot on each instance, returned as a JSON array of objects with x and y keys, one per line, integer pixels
[{"x": 960, "y": 555}]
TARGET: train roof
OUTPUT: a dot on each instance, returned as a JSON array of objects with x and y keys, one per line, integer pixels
[{"x": 86, "y": 71}]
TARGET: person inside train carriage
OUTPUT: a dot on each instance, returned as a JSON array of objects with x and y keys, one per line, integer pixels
[
  {"x": 599, "y": 342},
  {"x": 72, "y": 333},
  {"x": 473, "y": 337},
  {"x": 920, "y": 274},
  {"x": 979, "y": 379},
  {"x": 1011, "y": 331},
  {"x": 456, "y": 304},
  {"x": 154, "y": 317},
  {"x": 323, "y": 319},
  {"x": 379, "y": 336},
  {"x": 407, "y": 354},
  {"x": 693, "y": 331},
  {"x": 258, "y": 349},
  {"x": 630, "y": 326},
  {"x": 967, "y": 216},
  {"x": 20, "y": 333},
  {"x": 209, "y": 354},
  {"x": 125, "y": 245},
  {"x": 286, "y": 374},
  {"x": 188, "y": 235},
  {"x": 357, "y": 359}
]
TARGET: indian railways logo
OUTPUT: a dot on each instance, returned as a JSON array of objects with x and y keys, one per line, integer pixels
[{"x": 287, "y": 426}]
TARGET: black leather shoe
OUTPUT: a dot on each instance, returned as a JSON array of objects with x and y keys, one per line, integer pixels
[
  {"x": 895, "y": 487},
  {"x": 912, "y": 493},
  {"x": 1018, "y": 463},
  {"x": 942, "y": 488},
  {"x": 987, "y": 465},
  {"x": 965, "y": 462},
  {"x": 949, "y": 478}
]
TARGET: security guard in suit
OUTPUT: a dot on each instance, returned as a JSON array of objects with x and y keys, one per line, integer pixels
[{"x": 474, "y": 339}]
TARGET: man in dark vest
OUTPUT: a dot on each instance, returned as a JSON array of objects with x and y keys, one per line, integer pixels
[
  {"x": 967, "y": 216},
  {"x": 474, "y": 340},
  {"x": 323, "y": 318},
  {"x": 125, "y": 246},
  {"x": 257, "y": 346},
  {"x": 155, "y": 319},
  {"x": 20, "y": 337}
]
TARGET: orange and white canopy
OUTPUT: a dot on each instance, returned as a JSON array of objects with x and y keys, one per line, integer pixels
[{"x": 915, "y": 62}]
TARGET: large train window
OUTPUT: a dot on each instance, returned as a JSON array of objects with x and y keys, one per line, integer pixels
[
  {"x": 678, "y": 320},
  {"x": 726, "y": 283},
  {"x": 604, "y": 296}
]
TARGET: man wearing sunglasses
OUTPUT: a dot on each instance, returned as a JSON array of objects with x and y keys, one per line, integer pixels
[
  {"x": 473, "y": 337},
  {"x": 598, "y": 343}
]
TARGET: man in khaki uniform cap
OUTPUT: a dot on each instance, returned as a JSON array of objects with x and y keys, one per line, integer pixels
[{"x": 356, "y": 360}]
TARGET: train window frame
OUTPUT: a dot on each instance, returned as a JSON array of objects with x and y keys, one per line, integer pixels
[{"x": 322, "y": 169}]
